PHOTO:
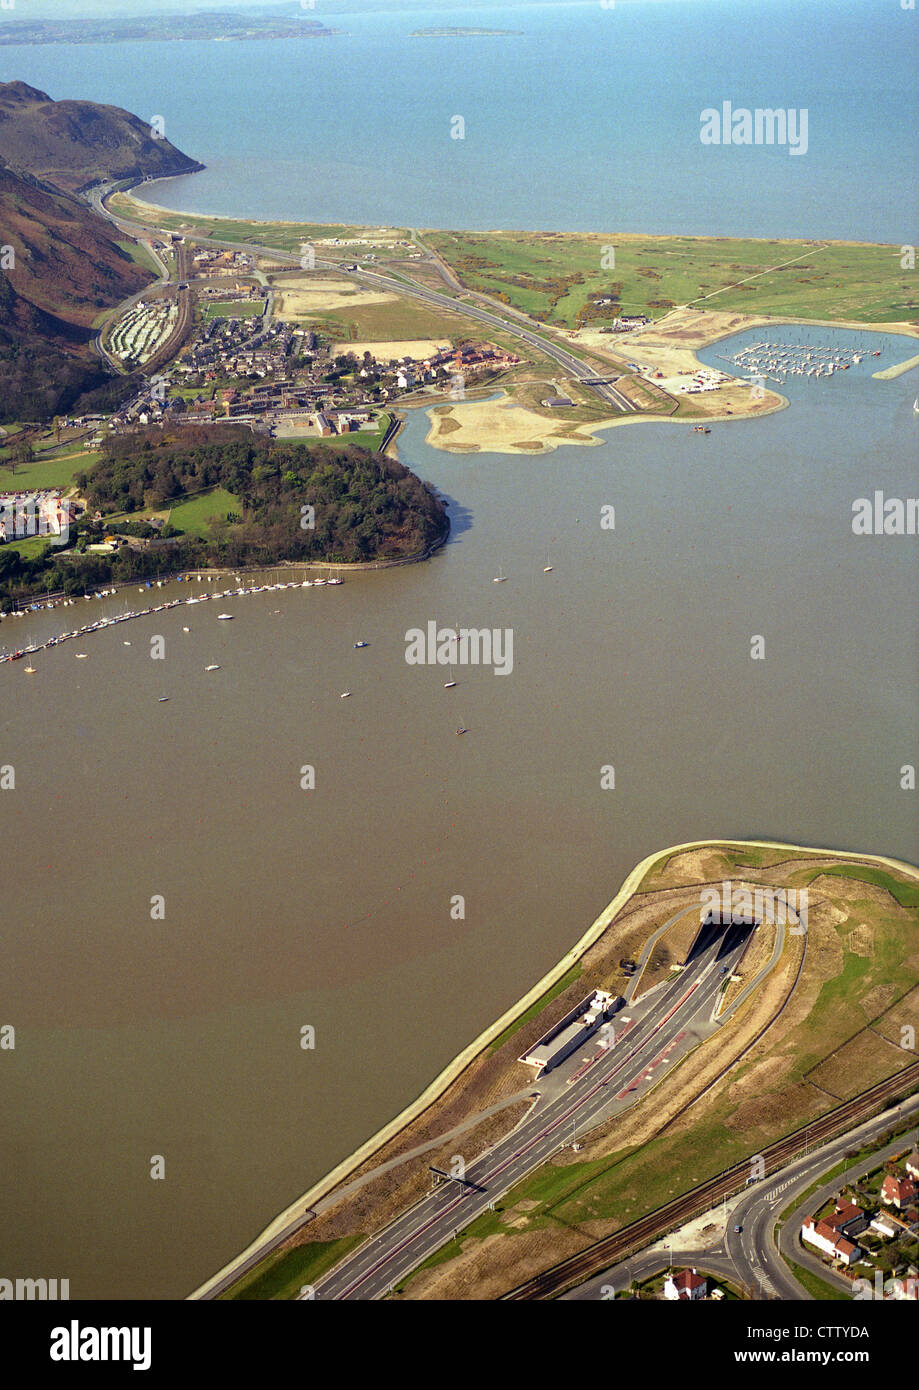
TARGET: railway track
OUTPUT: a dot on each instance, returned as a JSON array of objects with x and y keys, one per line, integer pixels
[{"x": 599, "y": 1256}]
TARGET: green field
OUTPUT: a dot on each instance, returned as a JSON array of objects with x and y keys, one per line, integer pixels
[
  {"x": 552, "y": 275},
  {"x": 193, "y": 516},
  {"x": 30, "y": 546},
  {"x": 235, "y": 309},
  {"x": 141, "y": 256},
  {"x": 43, "y": 473}
]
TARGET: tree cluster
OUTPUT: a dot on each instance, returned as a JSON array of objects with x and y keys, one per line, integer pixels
[{"x": 296, "y": 502}]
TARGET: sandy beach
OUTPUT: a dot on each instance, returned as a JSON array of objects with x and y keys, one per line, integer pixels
[{"x": 501, "y": 426}]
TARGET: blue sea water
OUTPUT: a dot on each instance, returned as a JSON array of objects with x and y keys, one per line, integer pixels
[{"x": 587, "y": 119}]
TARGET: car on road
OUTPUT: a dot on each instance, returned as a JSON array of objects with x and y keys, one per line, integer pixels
[{"x": 737, "y": 1230}]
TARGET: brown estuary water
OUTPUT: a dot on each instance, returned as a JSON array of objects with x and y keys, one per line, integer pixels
[{"x": 179, "y": 1036}]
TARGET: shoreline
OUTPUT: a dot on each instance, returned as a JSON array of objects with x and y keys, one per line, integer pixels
[
  {"x": 508, "y": 231},
  {"x": 591, "y": 428},
  {"x": 901, "y": 328},
  {"x": 298, "y": 1212},
  {"x": 46, "y": 602}
]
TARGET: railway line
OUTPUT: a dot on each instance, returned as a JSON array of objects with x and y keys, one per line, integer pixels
[
  {"x": 511, "y": 322},
  {"x": 599, "y": 1256}
]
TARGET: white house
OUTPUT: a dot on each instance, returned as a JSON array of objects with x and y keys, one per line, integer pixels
[
  {"x": 685, "y": 1284},
  {"x": 885, "y": 1225},
  {"x": 819, "y": 1234}
]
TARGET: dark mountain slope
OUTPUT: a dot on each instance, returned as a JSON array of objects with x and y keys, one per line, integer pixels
[{"x": 75, "y": 144}]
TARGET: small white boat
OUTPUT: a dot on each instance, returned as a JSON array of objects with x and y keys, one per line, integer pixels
[
  {"x": 126, "y": 644},
  {"x": 547, "y": 569},
  {"x": 30, "y": 670},
  {"x": 359, "y": 645},
  {"x": 448, "y": 685},
  {"x": 212, "y": 668},
  {"x": 81, "y": 656},
  {"x": 225, "y": 617},
  {"x": 163, "y": 700},
  {"x": 345, "y": 694}
]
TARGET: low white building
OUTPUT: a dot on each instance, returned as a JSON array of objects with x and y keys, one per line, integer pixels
[
  {"x": 570, "y": 1033},
  {"x": 685, "y": 1284},
  {"x": 885, "y": 1225},
  {"x": 825, "y": 1239}
]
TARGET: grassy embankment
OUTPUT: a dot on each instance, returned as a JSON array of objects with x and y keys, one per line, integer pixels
[
  {"x": 283, "y": 1277},
  {"x": 863, "y": 999},
  {"x": 838, "y": 280},
  {"x": 819, "y": 1288}
]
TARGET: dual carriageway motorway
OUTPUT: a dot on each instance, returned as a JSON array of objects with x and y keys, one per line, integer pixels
[
  {"x": 520, "y": 327},
  {"x": 577, "y": 1095}
]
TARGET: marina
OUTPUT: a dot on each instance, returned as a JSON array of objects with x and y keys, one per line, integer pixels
[
  {"x": 16, "y": 653},
  {"x": 776, "y": 361}
]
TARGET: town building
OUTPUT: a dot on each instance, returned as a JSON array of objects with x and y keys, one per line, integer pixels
[
  {"x": 686, "y": 1284},
  {"x": 829, "y": 1242},
  {"x": 627, "y": 323},
  {"x": 889, "y": 1224},
  {"x": 847, "y": 1220},
  {"x": 898, "y": 1192}
]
